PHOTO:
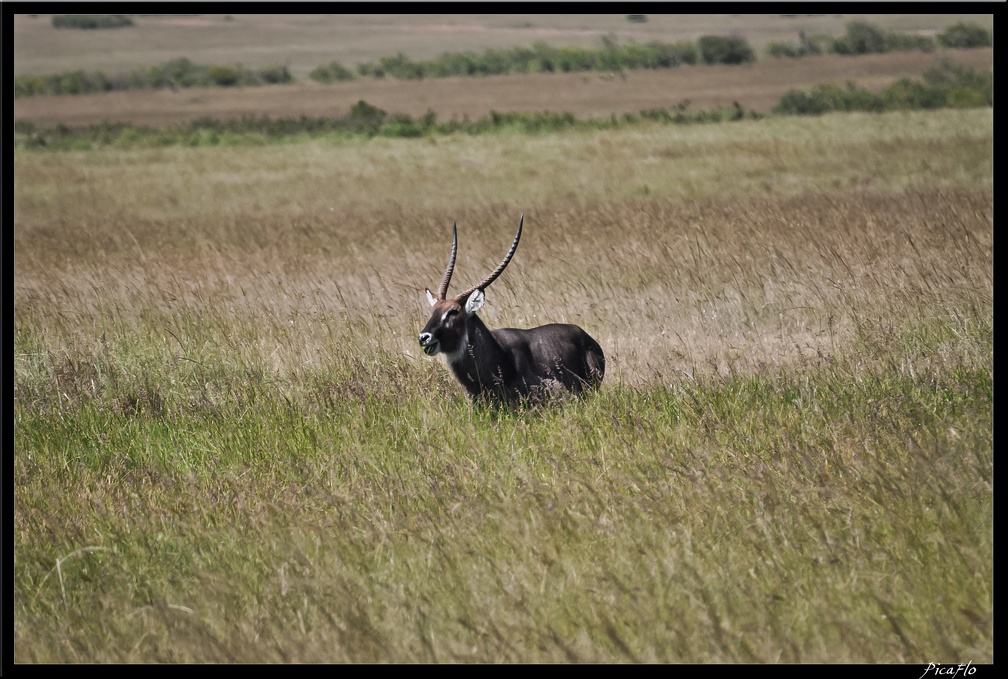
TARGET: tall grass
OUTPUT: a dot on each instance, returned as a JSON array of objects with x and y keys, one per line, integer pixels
[{"x": 228, "y": 447}]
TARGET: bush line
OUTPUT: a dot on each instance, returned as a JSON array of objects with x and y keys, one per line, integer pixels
[
  {"x": 860, "y": 38},
  {"x": 947, "y": 86}
]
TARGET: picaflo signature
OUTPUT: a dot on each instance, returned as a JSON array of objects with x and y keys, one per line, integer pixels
[{"x": 951, "y": 671}]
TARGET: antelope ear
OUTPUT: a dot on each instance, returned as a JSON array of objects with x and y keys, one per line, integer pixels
[
  {"x": 430, "y": 298},
  {"x": 474, "y": 303}
]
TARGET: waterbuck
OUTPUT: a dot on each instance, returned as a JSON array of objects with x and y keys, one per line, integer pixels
[{"x": 507, "y": 365}]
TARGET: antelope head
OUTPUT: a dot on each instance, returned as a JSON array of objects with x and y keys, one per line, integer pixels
[{"x": 447, "y": 330}]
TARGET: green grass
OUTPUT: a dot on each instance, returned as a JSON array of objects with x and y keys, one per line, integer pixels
[
  {"x": 228, "y": 447},
  {"x": 823, "y": 516}
]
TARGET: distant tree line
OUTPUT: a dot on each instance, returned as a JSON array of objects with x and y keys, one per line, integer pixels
[
  {"x": 174, "y": 74},
  {"x": 949, "y": 85},
  {"x": 946, "y": 86},
  {"x": 860, "y": 38},
  {"x": 91, "y": 21},
  {"x": 363, "y": 119},
  {"x": 542, "y": 58}
]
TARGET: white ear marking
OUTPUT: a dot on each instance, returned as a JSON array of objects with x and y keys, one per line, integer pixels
[
  {"x": 474, "y": 303},
  {"x": 430, "y": 298}
]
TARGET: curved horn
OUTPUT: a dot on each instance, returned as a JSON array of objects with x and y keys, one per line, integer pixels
[
  {"x": 442, "y": 290},
  {"x": 500, "y": 267}
]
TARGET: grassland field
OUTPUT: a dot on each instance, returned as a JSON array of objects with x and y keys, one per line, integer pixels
[{"x": 229, "y": 448}]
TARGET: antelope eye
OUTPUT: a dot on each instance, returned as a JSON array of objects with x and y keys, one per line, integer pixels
[{"x": 450, "y": 313}]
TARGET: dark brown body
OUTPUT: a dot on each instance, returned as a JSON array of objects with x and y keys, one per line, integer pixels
[{"x": 511, "y": 364}]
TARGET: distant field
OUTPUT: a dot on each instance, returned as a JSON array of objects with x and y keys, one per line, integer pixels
[
  {"x": 758, "y": 87},
  {"x": 304, "y": 42}
]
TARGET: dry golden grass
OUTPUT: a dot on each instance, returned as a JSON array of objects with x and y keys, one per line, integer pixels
[{"x": 683, "y": 249}]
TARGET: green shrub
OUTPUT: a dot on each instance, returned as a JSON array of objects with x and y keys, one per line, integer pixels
[
  {"x": 365, "y": 117},
  {"x": 402, "y": 126},
  {"x": 651, "y": 55},
  {"x": 964, "y": 97},
  {"x": 91, "y": 21},
  {"x": 402, "y": 67},
  {"x": 676, "y": 54},
  {"x": 865, "y": 38},
  {"x": 541, "y": 58},
  {"x": 949, "y": 74},
  {"x": 27, "y": 85},
  {"x": 821, "y": 99},
  {"x": 575, "y": 59},
  {"x": 717, "y": 49},
  {"x": 370, "y": 70},
  {"x": 80, "y": 82},
  {"x": 947, "y": 85},
  {"x": 73, "y": 82},
  {"x": 545, "y": 56},
  {"x": 225, "y": 76},
  {"x": 908, "y": 42},
  {"x": 860, "y": 99},
  {"x": 963, "y": 35},
  {"x": 861, "y": 38},
  {"x": 912, "y": 94},
  {"x": 781, "y": 49},
  {"x": 960, "y": 85},
  {"x": 332, "y": 72},
  {"x": 30, "y": 85},
  {"x": 275, "y": 75},
  {"x": 827, "y": 97},
  {"x": 819, "y": 43},
  {"x": 362, "y": 119},
  {"x": 498, "y": 61},
  {"x": 177, "y": 73}
]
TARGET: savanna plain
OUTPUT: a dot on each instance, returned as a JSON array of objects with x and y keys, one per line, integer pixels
[{"x": 228, "y": 446}]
